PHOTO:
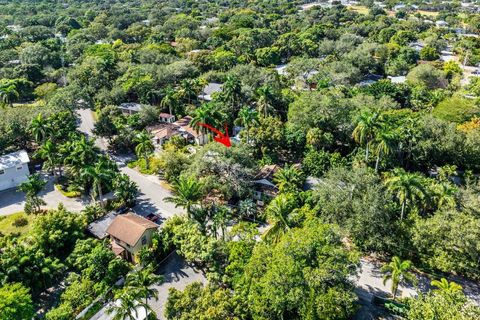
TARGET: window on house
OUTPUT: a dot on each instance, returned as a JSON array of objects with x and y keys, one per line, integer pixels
[
  {"x": 144, "y": 240},
  {"x": 19, "y": 168},
  {"x": 2, "y": 171}
]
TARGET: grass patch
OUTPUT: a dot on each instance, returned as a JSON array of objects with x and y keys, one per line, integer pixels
[
  {"x": 359, "y": 9},
  {"x": 17, "y": 223},
  {"x": 68, "y": 193},
  {"x": 428, "y": 13}
]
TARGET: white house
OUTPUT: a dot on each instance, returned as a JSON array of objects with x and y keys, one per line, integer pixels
[{"x": 13, "y": 169}]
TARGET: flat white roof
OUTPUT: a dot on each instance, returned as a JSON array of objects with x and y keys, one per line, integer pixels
[{"x": 12, "y": 159}]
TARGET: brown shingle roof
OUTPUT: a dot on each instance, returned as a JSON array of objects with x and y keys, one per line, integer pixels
[{"x": 129, "y": 228}]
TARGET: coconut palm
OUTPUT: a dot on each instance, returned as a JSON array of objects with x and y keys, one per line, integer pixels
[
  {"x": 398, "y": 272},
  {"x": 169, "y": 100},
  {"x": 99, "y": 175},
  {"x": 207, "y": 114},
  {"x": 232, "y": 90},
  {"x": 445, "y": 286},
  {"x": 408, "y": 187},
  {"x": 126, "y": 305},
  {"x": 144, "y": 147},
  {"x": 79, "y": 153},
  {"x": 9, "y": 94},
  {"x": 277, "y": 212},
  {"x": 39, "y": 128},
  {"x": 289, "y": 179},
  {"x": 384, "y": 142},
  {"x": 188, "y": 191},
  {"x": 247, "y": 117},
  {"x": 142, "y": 282},
  {"x": 265, "y": 99},
  {"x": 48, "y": 152},
  {"x": 367, "y": 125},
  {"x": 187, "y": 90}
]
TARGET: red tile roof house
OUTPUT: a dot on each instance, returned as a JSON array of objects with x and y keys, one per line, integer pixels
[{"x": 165, "y": 131}]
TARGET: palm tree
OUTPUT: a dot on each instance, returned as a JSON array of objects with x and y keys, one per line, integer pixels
[
  {"x": 126, "y": 305},
  {"x": 142, "y": 282},
  {"x": 277, "y": 212},
  {"x": 125, "y": 189},
  {"x": 49, "y": 153},
  {"x": 9, "y": 94},
  {"x": 207, "y": 114},
  {"x": 232, "y": 90},
  {"x": 443, "y": 194},
  {"x": 187, "y": 191},
  {"x": 367, "y": 125},
  {"x": 445, "y": 286},
  {"x": 169, "y": 100},
  {"x": 144, "y": 147},
  {"x": 385, "y": 141},
  {"x": 289, "y": 179},
  {"x": 265, "y": 99},
  {"x": 408, "y": 187},
  {"x": 40, "y": 128},
  {"x": 187, "y": 90},
  {"x": 398, "y": 272},
  {"x": 247, "y": 117},
  {"x": 98, "y": 175},
  {"x": 32, "y": 188}
]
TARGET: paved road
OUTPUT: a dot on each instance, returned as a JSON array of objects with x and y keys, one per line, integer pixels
[
  {"x": 12, "y": 201},
  {"x": 152, "y": 193}
]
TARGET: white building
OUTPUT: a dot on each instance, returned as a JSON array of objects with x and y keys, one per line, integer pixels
[{"x": 13, "y": 169}]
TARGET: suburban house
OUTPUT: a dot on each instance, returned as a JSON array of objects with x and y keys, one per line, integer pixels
[
  {"x": 264, "y": 186},
  {"x": 165, "y": 130},
  {"x": 129, "y": 233},
  {"x": 13, "y": 169},
  {"x": 129, "y": 108},
  {"x": 209, "y": 90}
]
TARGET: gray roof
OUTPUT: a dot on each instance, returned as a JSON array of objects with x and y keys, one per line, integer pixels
[
  {"x": 130, "y": 106},
  {"x": 210, "y": 89},
  {"x": 13, "y": 159},
  {"x": 99, "y": 227}
]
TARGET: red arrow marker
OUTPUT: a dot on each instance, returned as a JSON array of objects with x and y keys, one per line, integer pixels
[{"x": 221, "y": 137}]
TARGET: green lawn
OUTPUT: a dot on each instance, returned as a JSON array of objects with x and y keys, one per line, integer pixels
[{"x": 7, "y": 223}]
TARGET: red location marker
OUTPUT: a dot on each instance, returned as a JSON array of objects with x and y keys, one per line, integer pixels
[{"x": 221, "y": 137}]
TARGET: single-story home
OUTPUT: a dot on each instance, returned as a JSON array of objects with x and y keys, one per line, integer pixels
[
  {"x": 130, "y": 107},
  {"x": 129, "y": 233},
  {"x": 209, "y": 90},
  {"x": 13, "y": 169},
  {"x": 164, "y": 131},
  {"x": 264, "y": 186},
  {"x": 166, "y": 117}
]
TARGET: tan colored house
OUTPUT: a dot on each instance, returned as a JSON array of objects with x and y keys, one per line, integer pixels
[{"x": 129, "y": 233}]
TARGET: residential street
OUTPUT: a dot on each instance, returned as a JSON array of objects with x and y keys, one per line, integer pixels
[{"x": 152, "y": 193}]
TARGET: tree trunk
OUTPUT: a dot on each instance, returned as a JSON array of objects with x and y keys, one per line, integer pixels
[
  {"x": 366, "y": 153},
  {"x": 403, "y": 210},
  {"x": 100, "y": 194},
  {"x": 378, "y": 161}
]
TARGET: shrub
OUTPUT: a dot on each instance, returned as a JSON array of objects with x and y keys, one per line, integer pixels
[{"x": 20, "y": 222}]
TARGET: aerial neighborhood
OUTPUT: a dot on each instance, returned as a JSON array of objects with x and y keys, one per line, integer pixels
[{"x": 239, "y": 160}]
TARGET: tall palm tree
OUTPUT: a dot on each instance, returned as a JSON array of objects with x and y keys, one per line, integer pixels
[
  {"x": 398, "y": 272},
  {"x": 443, "y": 194},
  {"x": 445, "y": 286},
  {"x": 385, "y": 142},
  {"x": 247, "y": 117},
  {"x": 80, "y": 153},
  {"x": 125, "y": 189},
  {"x": 40, "y": 128},
  {"x": 187, "y": 90},
  {"x": 145, "y": 147},
  {"x": 367, "y": 125},
  {"x": 142, "y": 281},
  {"x": 187, "y": 191},
  {"x": 265, "y": 99},
  {"x": 99, "y": 175},
  {"x": 48, "y": 152},
  {"x": 169, "y": 100},
  {"x": 277, "y": 212},
  {"x": 289, "y": 179},
  {"x": 9, "y": 94},
  {"x": 232, "y": 90},
  {"x": 208, "y": 114},
  {"x": 126, "y": 305},
  {"x": 408, "y": 187}
]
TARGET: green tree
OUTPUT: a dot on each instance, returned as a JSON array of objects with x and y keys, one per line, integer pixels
[
  {"x": 398, "y": 272},
  {"x": 126, "y": 305},
  {"x": 48, "y": 152},
  {"x": 446, "y": 286},
  {"x": 207, "y": 114},
  {"x": 384, "y": 143},
  {"x": 15, "y": 302},
  {"x": 144, "y": 147},
  {"x": 32, "y": 188},
  {"x": 289, "y": 179},
  {"x": 8, "y": 95},
  {"x": 278, "y": 211},
  {"x": 187, "y": 191},
  {"x": 40, "y": 128},
  {"x": 367, "y": 125},
  {"x": 99, "y": 175},
  {"x": 169, "y": 100},
  {"x": 265, "y": 100},
  {"x": 247, "y": 117},
  {"x": 125, "y": 189},
  {"x": 142, "y": 282},
  {"x": 408, "y": 187}
]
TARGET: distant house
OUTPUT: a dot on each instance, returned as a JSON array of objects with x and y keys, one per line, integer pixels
[
  {"x": 98, "y": 228},
  {"x": 164, "y": 131},
  {"x": 398, "y": 79},
  {"x": 13, "y": 169},
  {"x": 209, "y": 90},
  {"x": 441, "y": 24},
  {"x": 264, "y": 186},
  {"x": 129, "y": 233},
  {"x": 190, "y": 133},
  {"x": 369, "y": 79},
  {"x": 129, "y": 108},
  {"x": 166, "y": 117}
]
